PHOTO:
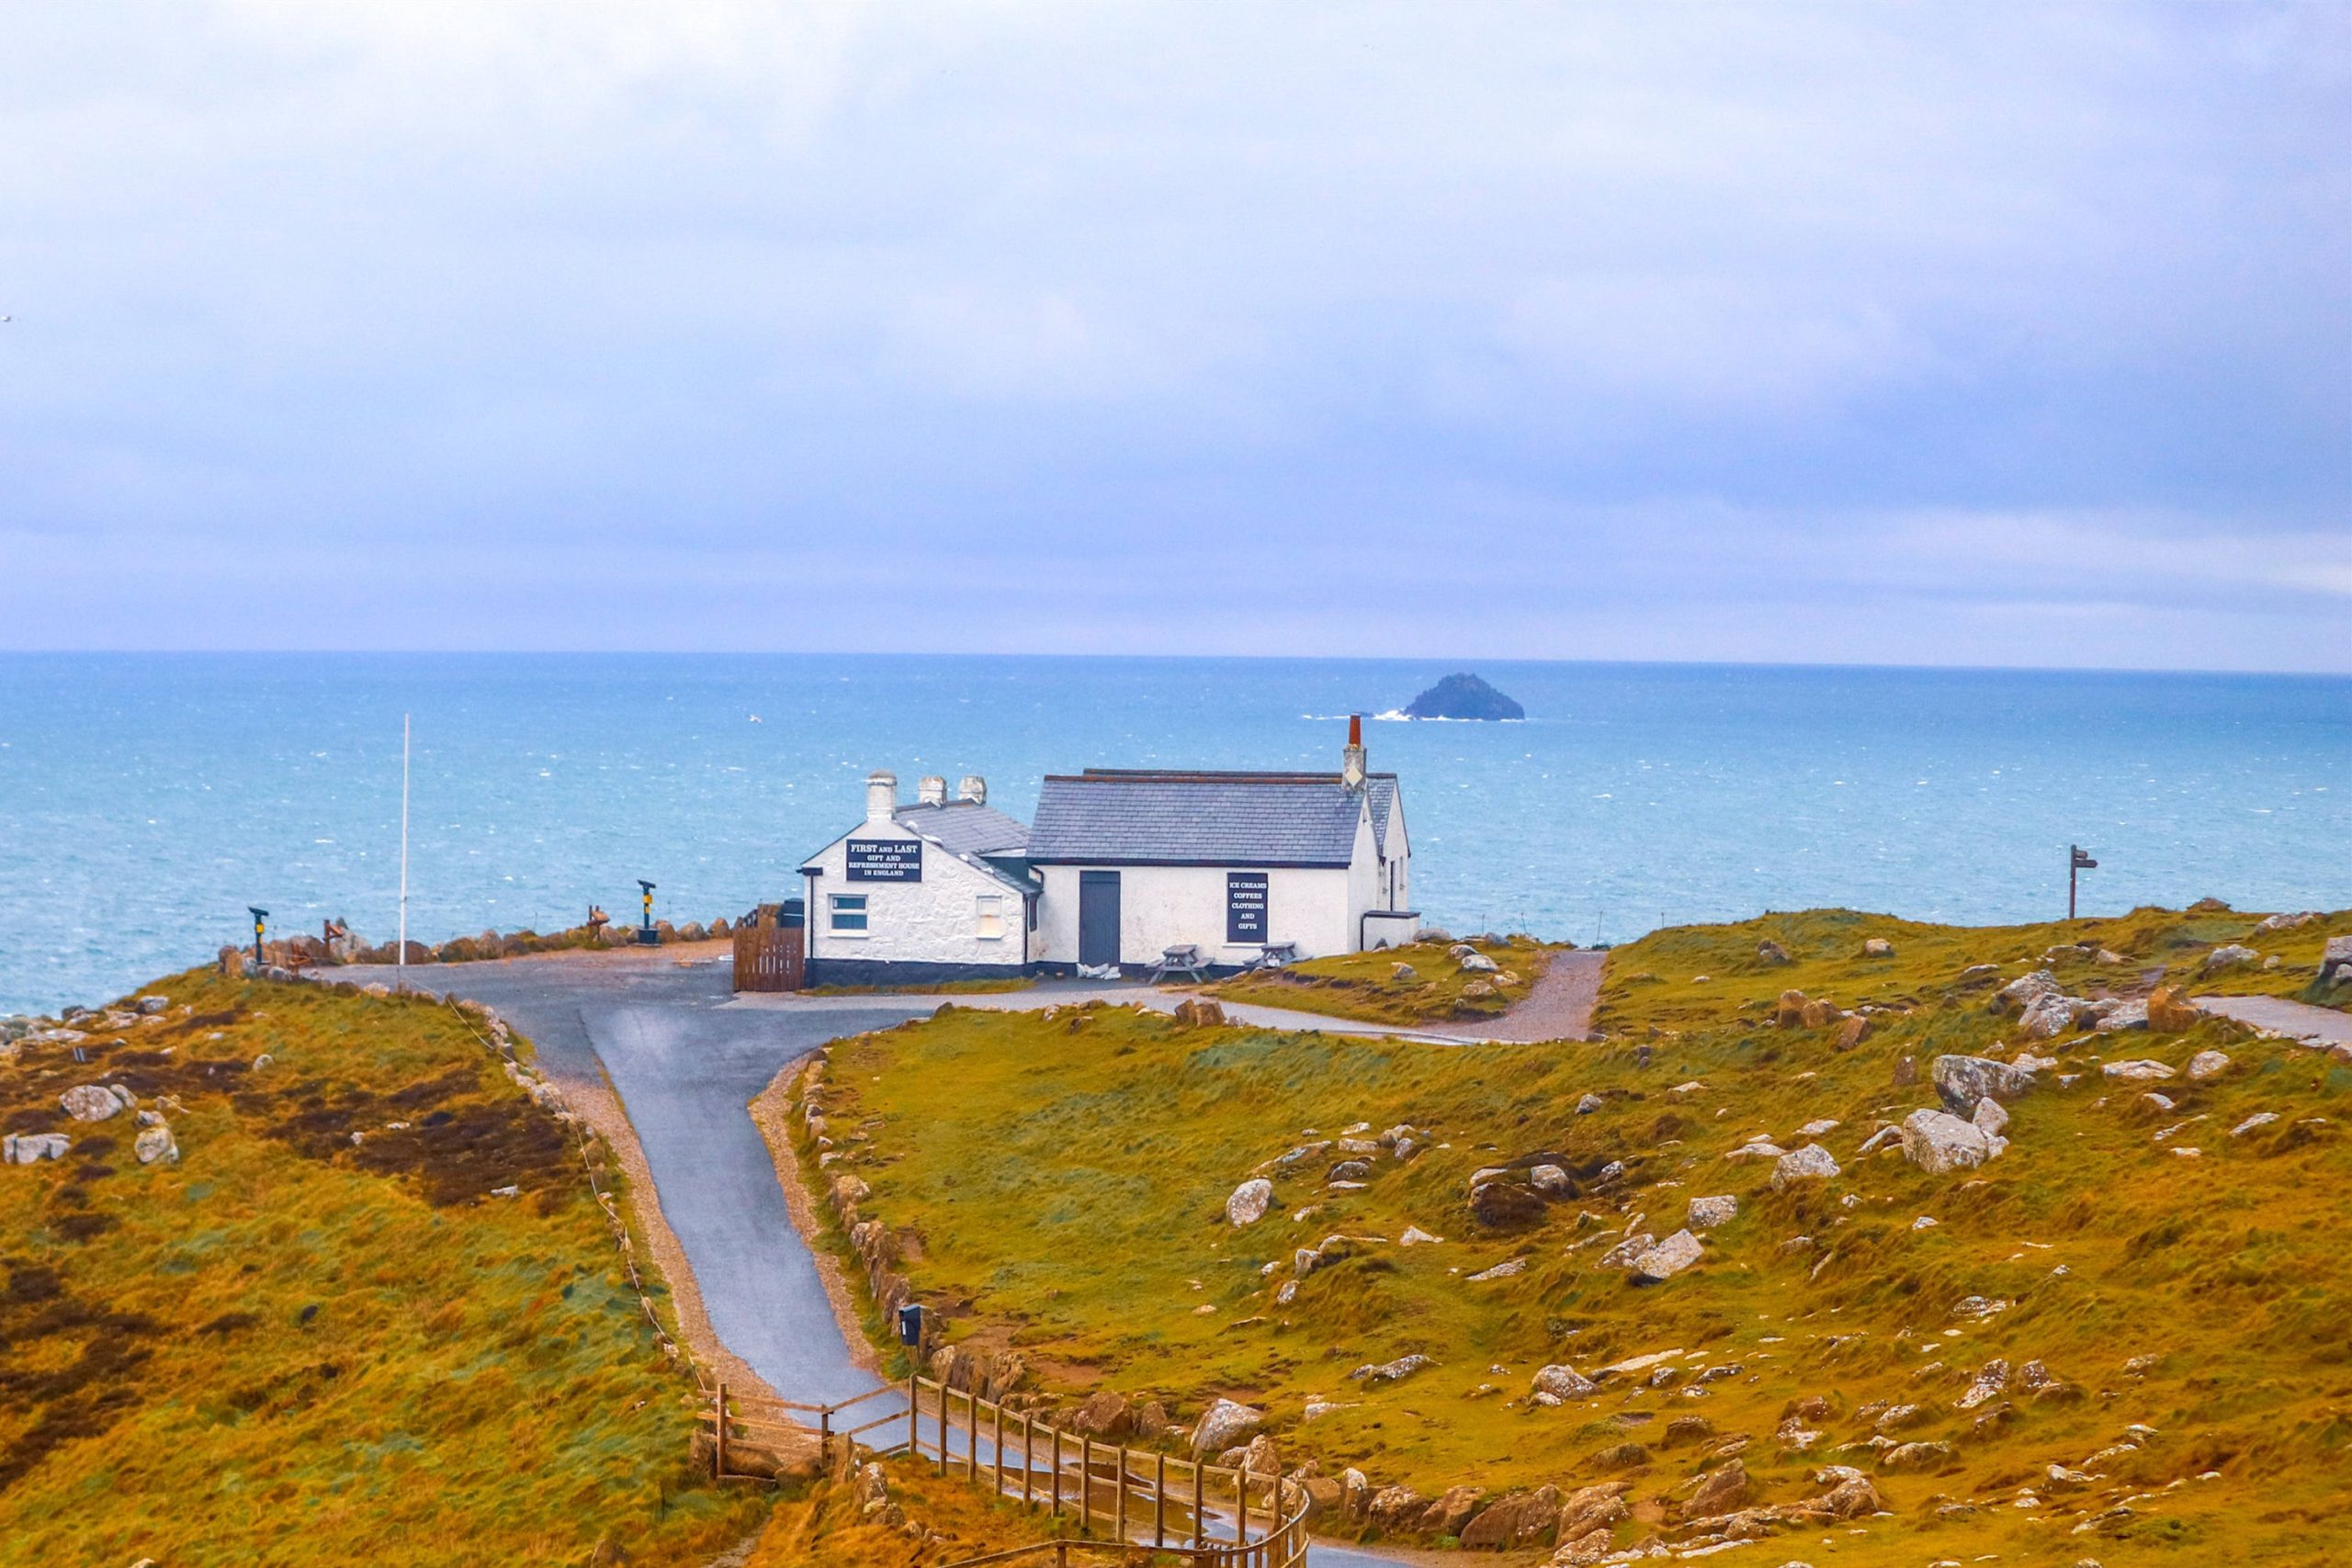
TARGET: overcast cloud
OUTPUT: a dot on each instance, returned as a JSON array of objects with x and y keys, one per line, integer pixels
[{"x": 2006, "y": 334}]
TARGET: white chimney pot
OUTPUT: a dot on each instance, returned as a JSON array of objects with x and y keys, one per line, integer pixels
[
  {"x": 933, "y": 790},
  {"x": 881, "y": 797},
  {"x": 973, "y": 788}
]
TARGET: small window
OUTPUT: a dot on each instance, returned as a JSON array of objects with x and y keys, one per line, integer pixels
[
  {"x": 992, "y": 916},
  {"x": 849, "y": 911}
]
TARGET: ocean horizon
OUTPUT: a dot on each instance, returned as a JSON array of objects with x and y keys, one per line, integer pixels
[{"x": 147, "y": 799}]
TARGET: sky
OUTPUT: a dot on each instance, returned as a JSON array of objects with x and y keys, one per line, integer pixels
[{"x": 1936, "y": 333}]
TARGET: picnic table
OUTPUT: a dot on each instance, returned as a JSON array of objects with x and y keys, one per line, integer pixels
[
  {"x": 1183, "y": 959},
  {"x": 1273, "y": 956}
]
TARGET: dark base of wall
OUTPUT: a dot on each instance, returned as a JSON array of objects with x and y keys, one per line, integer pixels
[
  {"x": 1137, "y": 972},
  {"x": 882, "y": 972}
]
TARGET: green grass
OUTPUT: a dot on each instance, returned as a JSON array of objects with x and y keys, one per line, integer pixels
[
  {"x": 1364, "y": 986},
  {"x": 292, "y": 1349},
  {"x": 1060, "y": 1183}
]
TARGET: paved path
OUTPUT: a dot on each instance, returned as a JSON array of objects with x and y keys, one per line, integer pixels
[
  {"x": 686, "y": 1056},
  {"x": 686, "y": 1062},
  {"x": 2277, "y": 1015}
]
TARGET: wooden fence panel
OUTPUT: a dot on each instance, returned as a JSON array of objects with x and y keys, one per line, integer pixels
[{"x": 770, "y": 958}]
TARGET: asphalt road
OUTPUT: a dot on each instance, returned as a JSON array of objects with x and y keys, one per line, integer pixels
[
  {"x": 685, "y": 1063},
  {"x": 685, "y": 1056}
]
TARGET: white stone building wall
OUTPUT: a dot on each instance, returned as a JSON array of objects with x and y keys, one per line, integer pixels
[{"x": 935, "y": 921}]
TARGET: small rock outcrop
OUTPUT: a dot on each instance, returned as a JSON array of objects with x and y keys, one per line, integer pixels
[
  {"x": 1667, "y": 1259},
  {"x": 2171, "y": 1012},
  {"x": 1961, "y": 1081},
  {"x": 1226, "y": 1424},
  {"x": 30, "y": 1148},
  {"x": 1707, "y": 1213},
  {"x": 1811, "y": 1163},
  {"x": 93, "y": 1102},
  {"x": 1937, "y": 1143},
  {"x": 1249, "y": 1202},
  {"x": 1464, "y": 696}
]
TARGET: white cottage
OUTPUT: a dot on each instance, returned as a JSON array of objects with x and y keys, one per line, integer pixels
[
  {"x": 918, "y": 894},
  {"x": 1122, "y": 866}
]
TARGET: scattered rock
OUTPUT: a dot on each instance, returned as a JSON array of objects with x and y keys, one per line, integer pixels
[
  {"x": 2141, "y": 1071},
  {"x": 2024, "y": 991},
  {"x": 1194, "y": 1012},
  {"x": 1811, "y": 1163},
  {"x": 30, "y": 1148},
  {"x": 2207, "y": 1064},
  {"x": 1549, "y": 1180},
  {"x": 2131, "y": 1014},
  {"x": 2259, "y": 1119},
  {"x": 1770, "y": 951},
  {"x": 1961, "y": 1081},
  {"x": 1103, "y": 1415},
  {"x": 1906, "y": 1071},
  {"x": 1522, "y": 1519},
  {"x": 1991, "y": 1381},
  {"x": 1396, "y": 1370},
  {"x": 1820, "y": 1013},
  {"x": 1724, "y": 1488},
  {"x": 1503, "y": 1270},
  {"x": 2171, "y": 1012},
  {"x": 1707, "y": 1213},
  {"x": 1403, "y": 974},
  {"x": 1563, "y": 1382},
  {"x": 1589, "y": 1104},
  {"x": 1918, "y": 1456},
  {"x": 1853, "y": 1031},
  {"x": 1991, "y": 1119},
  {"x": 1224, "y": 1423},
  {"x": 1878, "y": 947},
  {"x": 1667, "y": 1259},
  {"x": 1623, "y": 1255},
  {"x": 1890, "y": 1133},
  {"x": 2230, "y": 957},
  {"x": 2286, "y": 922},
  {"x": 1478, "y": 963},
  {"x": 155, "y": 1144},
  {"x": 1937, "y": 1143},
  {"x": 92, "y": 1102},
  {"x": 1351, "y": 1170}
]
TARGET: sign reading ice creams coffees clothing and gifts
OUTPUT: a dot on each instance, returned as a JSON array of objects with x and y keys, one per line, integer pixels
[
  {"x": 884, "y": 859},
  {"x": 1245, "y": 906}
]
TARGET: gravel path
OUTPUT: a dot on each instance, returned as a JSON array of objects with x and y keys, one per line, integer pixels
[{"x": 2296, "y": 1021}]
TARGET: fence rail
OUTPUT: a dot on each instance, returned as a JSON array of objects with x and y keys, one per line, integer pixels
[{"x": 1213, "y": 1515}]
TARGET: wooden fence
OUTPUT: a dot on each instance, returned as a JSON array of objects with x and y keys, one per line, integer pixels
[
  {"x": 1211, "y": 1516},
  {"x": 770, "y": 955}
]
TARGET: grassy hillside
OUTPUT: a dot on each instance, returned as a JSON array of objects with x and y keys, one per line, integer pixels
[
  {"x": 1059, "y": 1182},
  {"x": 317, "y": 1336},
  {"x": 1365, "y": 984}
]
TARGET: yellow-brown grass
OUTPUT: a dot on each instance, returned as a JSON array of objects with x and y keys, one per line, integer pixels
[
  {"x": 292, "y": 1348},
  {"x": 1062, "y": 1182}
]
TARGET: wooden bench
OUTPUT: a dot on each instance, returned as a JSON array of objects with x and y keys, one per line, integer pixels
[{"x": 1183, "y": 959}]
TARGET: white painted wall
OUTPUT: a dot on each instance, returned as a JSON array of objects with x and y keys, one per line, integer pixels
[
  {"x": 1166, "y": 905},
  {"x": 935, "y": 921}
]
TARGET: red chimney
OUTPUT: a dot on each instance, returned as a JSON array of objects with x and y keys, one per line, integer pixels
[
  {"x": 1351, "y": 759},
  {"x": 1355, "y": 730}
]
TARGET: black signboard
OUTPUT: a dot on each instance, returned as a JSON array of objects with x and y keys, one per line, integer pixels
[
  {"x": 1245, "y": 906},
  {"x": 885, "y": 860}
]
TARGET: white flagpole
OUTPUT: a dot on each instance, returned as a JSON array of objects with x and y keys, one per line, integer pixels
[{"x": 399, "y": 960}]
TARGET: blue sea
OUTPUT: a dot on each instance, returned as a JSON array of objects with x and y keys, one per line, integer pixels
[{"x": 146, "y": 800}]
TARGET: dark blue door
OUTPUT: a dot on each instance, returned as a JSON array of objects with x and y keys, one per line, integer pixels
[{"x": 1098, "y": 917}]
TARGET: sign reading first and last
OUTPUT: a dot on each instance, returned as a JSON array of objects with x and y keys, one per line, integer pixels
[{"x": 884, "y": 859}]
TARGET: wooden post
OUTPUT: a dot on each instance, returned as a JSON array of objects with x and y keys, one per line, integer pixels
[
  {"x": 1054, "y": 1464},
  {"x": 1121, "y": 1505},
  {"x": 996, "y": 1444},
  {"x": 1028, "y": 1455},
  {"x": 943, "y": 1428},
  {"x": 1159, "y": 1501},
  {"x": 914, "y": 1411},
  {"x": 1085, "y": 1483},
  {"x": 1241, "y": 1504},
  {"x": 718, "y": 1448},
  {"x": 971, "y": 1436},
  {"x": 1198, "y": 1525}
]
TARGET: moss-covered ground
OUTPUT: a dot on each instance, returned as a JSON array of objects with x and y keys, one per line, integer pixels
[
  {"x": 1060, "y": 1182},
  {"x": 1365, "y": 985},
  {"x": 295, "y": 1346}
]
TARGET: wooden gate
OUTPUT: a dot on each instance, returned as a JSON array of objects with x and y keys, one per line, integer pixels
[{"x": 771, "y": 952}]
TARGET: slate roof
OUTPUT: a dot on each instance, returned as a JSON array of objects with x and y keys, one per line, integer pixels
[
  {"x": 1112, "y": 816},
  {"x": 966, "y": 828}
]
